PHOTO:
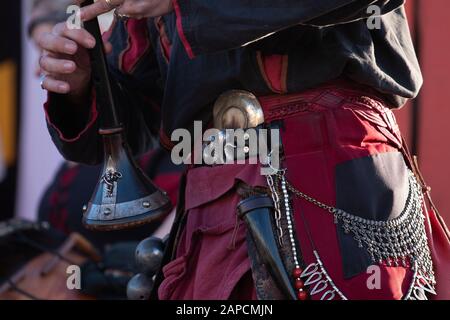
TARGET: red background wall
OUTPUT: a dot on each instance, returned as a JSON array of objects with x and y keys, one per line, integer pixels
[{"x": 430, "y": 24}]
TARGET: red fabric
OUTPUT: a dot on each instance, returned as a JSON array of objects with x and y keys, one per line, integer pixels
[
  {"x": 339, "y": 124},
  {"x": 340, "y": 134},
  {"x": 212, "y": 258},
  {"x": 59, "y": 213},
  {"x": 273, "y": 69},
  {"x": 169, "y": 182},
  {"x": 181, "y": 33},
  {"x": 166, "y": 46},
  {"x": 138, "y": 44}
]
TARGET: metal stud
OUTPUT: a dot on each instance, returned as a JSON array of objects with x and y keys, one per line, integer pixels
[{"x": 146, "y": 204}]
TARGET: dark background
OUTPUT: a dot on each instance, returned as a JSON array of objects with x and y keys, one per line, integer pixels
[{"x": 10, "y": 49}]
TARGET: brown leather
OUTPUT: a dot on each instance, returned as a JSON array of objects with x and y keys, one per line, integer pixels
[
  {"x": 256, "y": 202},
  {"x": 45, "y": 277}
]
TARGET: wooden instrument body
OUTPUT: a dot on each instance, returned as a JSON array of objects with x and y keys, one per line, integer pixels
[{"x": 45, "y": 276}]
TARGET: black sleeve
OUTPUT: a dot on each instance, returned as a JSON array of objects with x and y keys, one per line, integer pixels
[
  {"x": 214, "y": 25},
  {"x": 135, "y": 75}
]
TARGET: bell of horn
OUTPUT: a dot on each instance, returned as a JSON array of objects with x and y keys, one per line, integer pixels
[{"x": 124, "y": 196}]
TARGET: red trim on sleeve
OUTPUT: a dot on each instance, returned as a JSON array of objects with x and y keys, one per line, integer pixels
[
  {"x": 138, "y": 44},
  {"x": 93, "y": 118},
  {"x": 165, "y": 141},
  {"x": 181, "y": 33},
  {"x": 164, "y": 39}
]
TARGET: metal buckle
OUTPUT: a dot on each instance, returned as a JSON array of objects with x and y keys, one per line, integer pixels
[{"x": 237, "y": 109}]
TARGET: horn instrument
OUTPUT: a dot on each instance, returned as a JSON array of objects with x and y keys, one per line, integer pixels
[{"x": 124, "y": 196}]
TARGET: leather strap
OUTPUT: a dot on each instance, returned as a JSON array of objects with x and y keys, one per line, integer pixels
[
  {"x": 426, "y": 189},
  {"x": 253, "y": 203}
]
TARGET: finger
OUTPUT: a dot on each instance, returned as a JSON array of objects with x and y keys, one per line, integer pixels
[
  {"x": 114, "y": 3},
  {"x": 79, "y": 36},
  {"x": 51, "y": 84},
  {"x": 90, "y": 12},
  {"x": 108, "y": 46},
  {"x": 57, "y": 44},
  {"x": 133, "y": 9},
  {"x": 59, "y": 66}
]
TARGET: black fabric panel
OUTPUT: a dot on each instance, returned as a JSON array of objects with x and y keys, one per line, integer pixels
[{"x": 375, "y": 188}]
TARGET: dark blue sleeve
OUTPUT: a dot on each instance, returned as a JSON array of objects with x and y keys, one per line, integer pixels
[{"x": 215, "y": 25}]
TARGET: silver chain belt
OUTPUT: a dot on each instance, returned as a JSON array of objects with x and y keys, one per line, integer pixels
[
  {"x": 396, "y": 241},
  {"x": 392, "y": 241}
]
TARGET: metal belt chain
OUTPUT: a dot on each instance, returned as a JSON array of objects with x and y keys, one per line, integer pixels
[
  {"x": 397, "y": 246},
  {"x": 393, "y": 240},
  {"x": 276, "y": 201},
  {"x": 319, "y": 204}
]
